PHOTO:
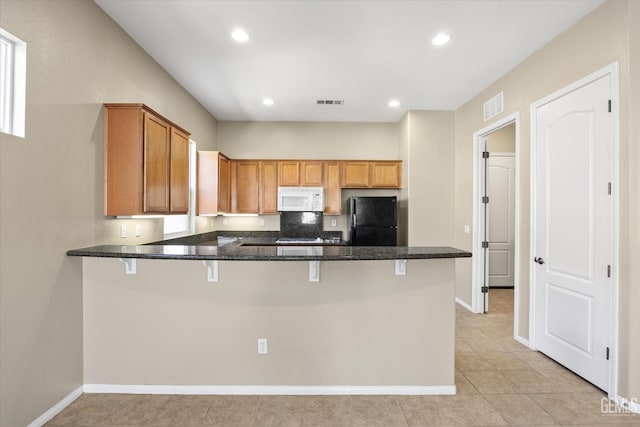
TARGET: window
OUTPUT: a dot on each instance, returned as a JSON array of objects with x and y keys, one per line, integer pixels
[
  {"x": 13, "y": 73},
  {"x": 178, "y": 225}
]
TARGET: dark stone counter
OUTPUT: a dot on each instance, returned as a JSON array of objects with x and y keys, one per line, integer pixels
[{"x": 239, "y": 252}]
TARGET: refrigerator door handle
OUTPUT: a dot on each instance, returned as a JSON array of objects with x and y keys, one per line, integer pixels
[{"x": 354, "y": 220}]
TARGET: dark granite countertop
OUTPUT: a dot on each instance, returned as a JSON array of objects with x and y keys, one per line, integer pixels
[
  {"x": 262, "y": 246},
  {"x": 235, "y": 252}
]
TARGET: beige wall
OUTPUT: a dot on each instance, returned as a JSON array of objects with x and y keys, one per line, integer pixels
[
  {"x": 594, "y": 42},
  {"x": 360, "y": 325},
  {"x": 503, "y": 140},
  {"x": 312, "y": 140},
  {"x": 51, "y": 188},
  {"x": 427, "y": 149}
]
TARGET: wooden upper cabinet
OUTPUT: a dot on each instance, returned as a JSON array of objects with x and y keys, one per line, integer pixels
[
  {"x": 268, "y": 186},
  {"x": 157, "y": 151},
  {"x": 311, "y": 173},
  {"x": 288, "y": 173},
  {"x": 332, "y": 189},
  {"x": 140, "y": 162},
  {"x": 386, "y": 174},
  {"x": 179, "y": 172},
  {"x": 245, "y": 183},
  {"x": 214, "y": 183},
  {"x": 355, "y": 174},
  {"x": 224, "y": 184},
  {"x": 372, "y": 174}
]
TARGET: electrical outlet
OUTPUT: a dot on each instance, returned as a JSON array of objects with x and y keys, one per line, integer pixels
[
  {"x": 334, "y": 222},
  {"x": 123, "y": 231},
  {"x": 138, "y": 230},
  {"x": 225, "y": 221},
  {"x": 467, "y": 229},
  {"x": 261, "y": 222},
  {"x": 262, "y": 346}
]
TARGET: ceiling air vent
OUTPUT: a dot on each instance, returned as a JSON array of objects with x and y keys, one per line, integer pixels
[
  {"x": 494, "y": 106},
  {"x": 330, "y": 101}
]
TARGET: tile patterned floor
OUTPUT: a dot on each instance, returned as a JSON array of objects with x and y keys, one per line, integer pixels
[{"x": 499, "y": 381}]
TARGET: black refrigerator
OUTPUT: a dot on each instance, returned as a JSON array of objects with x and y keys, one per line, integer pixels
[{"x": 373, "y": 221}]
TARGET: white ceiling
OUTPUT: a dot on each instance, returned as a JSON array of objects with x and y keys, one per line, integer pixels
[{"x": 365, "y": 52}]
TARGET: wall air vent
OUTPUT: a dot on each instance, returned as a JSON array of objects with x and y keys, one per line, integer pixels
[
  {"x": 330, "y": 101},
  {"x": 494, "y": 106}
]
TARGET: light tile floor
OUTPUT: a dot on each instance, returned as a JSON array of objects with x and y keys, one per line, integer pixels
[{"x": 499, "y": 381}]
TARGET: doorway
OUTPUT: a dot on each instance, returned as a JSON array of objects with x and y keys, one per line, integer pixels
[{"x": 496, "y": 216}]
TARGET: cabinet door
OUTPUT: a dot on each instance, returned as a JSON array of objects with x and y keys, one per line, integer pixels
[
  {"x": 223, "y": 184},
  {"x": 386, "y": 174},
  {"x": 355, "y": 174},
  {"x": 268, "y": 187},
  {"x": 245, "y": 177},
  {"x": 289, "y": 173},
  {"x": 311, "y": 173},
  {"x": 157, "y": 134},
  {"x": 179, "y": 172},
  {"x": 332, "y": 193}
]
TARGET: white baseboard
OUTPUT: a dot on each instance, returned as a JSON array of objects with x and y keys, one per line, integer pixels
[
  {"x": 522, "y": 341},
  {"x": 269, "y": 390},
  {"x": 632, "y": 405},
  {"x": 57, "y": 408},
  {"x": 464, "y": 304}
]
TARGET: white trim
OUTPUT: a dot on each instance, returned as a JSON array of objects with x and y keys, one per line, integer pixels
[
  {"x": 477, "y": 267},
  {"x": 633, "y": 405},
  {"x": 57, "y": 408},
  {"x": 464, "y": 304},
  {"x": 523, "y": 341},
  {"x": 613, "y": 71},
  {"x": 269, "y": 390}
]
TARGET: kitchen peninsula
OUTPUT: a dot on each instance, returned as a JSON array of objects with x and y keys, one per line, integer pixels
[{"x": 380, "y": 323}]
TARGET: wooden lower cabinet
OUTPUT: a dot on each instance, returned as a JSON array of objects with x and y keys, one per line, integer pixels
[
  {"x": 146, "y": 162},
  {"x": 332, "y": 188},
  {"x": 245, "y": 184},
  {"x": 268, "y": 187}
]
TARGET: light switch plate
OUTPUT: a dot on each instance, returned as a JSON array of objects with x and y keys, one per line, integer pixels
[{"x": 123, "y": 231}]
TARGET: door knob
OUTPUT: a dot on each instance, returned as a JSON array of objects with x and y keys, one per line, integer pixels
[{"x": 538, "y": 260}]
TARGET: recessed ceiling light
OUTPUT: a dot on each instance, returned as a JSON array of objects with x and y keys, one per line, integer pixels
[
  {"x": 240, "y": 35},
  {"x": 267, "y": 101},
  {"x": 441, "y": 39},
  {"x": 394, "y": 103}
]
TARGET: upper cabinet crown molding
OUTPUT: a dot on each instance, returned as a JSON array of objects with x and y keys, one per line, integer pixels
[{"x": 146, "y": 162}]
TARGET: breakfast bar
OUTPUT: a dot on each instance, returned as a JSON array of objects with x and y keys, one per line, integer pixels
[{"x": 174, "y": 317}]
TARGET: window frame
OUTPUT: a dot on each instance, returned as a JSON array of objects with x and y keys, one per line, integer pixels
[{"x": 13, "y": 70}]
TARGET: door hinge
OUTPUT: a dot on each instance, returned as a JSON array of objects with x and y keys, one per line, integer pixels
[
  {"x": 485, "y": 289},
  {"x": 609, "y": 106},
  {"x": 608, "y": 271},
  {"x": 485, "y": 199},
  {"x": 609, "y": 188},
  {"x": 607, "y": 353},
  {"x": 485, "y": 245},
  {"x": 485, "y": 154}
]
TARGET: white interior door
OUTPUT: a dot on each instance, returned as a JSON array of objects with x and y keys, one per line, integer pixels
[
  {"x": 573, "y": 236},
  {"x": 501, "y": 216}
]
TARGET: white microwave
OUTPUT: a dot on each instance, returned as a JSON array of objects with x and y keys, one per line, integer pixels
[{"x": 301, "y": 199}]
